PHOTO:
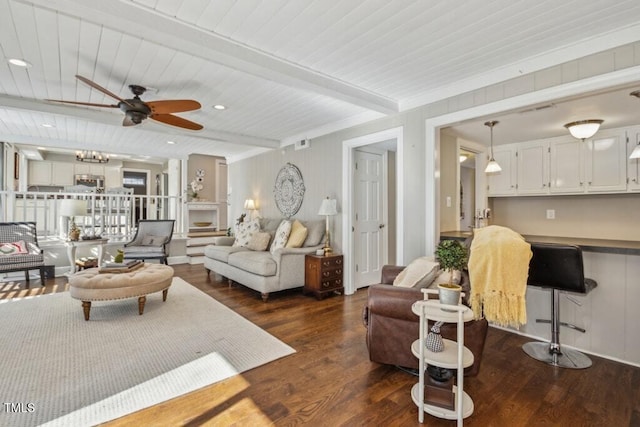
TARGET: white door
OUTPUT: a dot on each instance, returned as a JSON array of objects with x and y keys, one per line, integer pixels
[{"x": 369, "y": 216}]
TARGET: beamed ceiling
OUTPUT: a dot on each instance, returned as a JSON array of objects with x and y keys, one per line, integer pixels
[{"x": 285, "y": 70}]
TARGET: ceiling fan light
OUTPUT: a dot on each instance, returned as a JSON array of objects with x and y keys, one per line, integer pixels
[
  {"x": 635, "y": 154},
  {"x": 583, "y": 129},
  {"x": 492, "y": 167}
]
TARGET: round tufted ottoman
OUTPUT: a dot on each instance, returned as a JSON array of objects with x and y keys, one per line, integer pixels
[{"x": 91, "y": 285}]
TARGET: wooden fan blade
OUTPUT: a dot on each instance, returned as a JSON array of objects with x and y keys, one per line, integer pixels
[
  {"x": 176, "y": 121},
  {"x": 173, "y": 106},
  {"x": 101, "y": 89},
  {"x": 90, "y": 104}
]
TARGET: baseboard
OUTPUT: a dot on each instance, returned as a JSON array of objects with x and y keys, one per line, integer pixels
[{"x": 181, "y": 259}]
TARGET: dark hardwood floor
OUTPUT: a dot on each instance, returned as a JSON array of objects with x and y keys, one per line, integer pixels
[{"x": 330, "y": 381}]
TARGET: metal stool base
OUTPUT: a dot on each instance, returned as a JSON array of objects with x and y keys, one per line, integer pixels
[{"x": 567, "y": 358}]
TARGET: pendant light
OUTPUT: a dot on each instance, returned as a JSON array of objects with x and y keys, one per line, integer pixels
[{"x": 492, "y": 166}]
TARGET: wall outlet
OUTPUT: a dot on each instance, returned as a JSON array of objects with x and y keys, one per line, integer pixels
[{"x": 551, "y": 214}]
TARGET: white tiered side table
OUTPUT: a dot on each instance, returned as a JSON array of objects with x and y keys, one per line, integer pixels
[{"x": 455, "y": 356}]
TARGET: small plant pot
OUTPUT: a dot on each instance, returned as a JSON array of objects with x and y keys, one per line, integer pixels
[{"x": 449, "y": 293}]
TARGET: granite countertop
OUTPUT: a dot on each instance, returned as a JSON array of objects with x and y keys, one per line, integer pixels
[{"x": 624, "y": 247}]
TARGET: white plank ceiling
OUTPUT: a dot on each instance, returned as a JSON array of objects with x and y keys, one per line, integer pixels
[{"x": 285, "y": 69}]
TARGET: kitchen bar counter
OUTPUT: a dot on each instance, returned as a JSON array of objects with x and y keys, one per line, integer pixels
[
  {"x": 611, "y": 306},
  {"x": 622, "y": 247}
]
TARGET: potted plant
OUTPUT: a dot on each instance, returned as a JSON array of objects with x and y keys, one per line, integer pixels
[{"x": 452, "y": 255}]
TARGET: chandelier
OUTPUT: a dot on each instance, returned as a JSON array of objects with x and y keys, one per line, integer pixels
[{"x": 91, "y": 156}]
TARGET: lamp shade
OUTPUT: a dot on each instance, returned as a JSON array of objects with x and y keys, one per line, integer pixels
[
  {"x": 73, "y": 207},
  {"x": 249, "y": 204},
  {"x": 328, "y": 207},
  {"x": 492, "y": 167},
  {"x": 584, "y": 129}
]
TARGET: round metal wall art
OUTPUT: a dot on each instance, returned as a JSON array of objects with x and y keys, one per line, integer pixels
[{"x": 289, "y": 190}]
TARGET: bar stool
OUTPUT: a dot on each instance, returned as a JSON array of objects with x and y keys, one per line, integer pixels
[{"x": 560, "y": 268}]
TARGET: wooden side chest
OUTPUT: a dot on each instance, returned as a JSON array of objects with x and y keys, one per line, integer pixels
[{"x": 323, "y": 275}]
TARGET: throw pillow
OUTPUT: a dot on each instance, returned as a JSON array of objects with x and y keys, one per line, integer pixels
[
  {"x": 244, "y": 231},
  {"x": 419, "y": 273},
  {"x": 153, "y": 240},
  {"x": 297, "y": 236},
  {"x": 13, "y": 248},
  {"x": 259, "y": 241},
  {"x": 315, "y": 232},
  {"x": 282, "y": 235}
]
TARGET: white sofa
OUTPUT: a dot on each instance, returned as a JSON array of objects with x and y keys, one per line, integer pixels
[{"x": 263, "y": 271}]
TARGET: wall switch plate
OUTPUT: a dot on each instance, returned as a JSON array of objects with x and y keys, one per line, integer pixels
[
  {"x": 551, "y": 214},
  {"x": 448, "y": 201}
]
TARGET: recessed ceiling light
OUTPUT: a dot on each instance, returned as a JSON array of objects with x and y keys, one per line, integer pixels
[
  {"x": 48, "y": 125},
  {"x": 219, "y": 107},
  {"x": 19, "y": 62},
  {"x": 171, "y": 142}
]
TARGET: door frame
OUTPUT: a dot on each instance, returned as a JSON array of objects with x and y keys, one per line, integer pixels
[
  {"x": 434, "y": 124},
  {"x": 348, "y": 147},
  {"x": 480, "y": 198}
]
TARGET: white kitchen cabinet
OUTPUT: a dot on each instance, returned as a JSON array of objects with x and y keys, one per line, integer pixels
[
  {"x": 606, "y": 162},
  {"x": 61, "y": 174},
  {"x": 504, "y": 183},
  {"x": 533, "y": 168},
  {"x": 39, "y": 173},
  {"x": 566, "y": 166},
  {"x": 50, "y": 173},
  {"x": 86, "y": 168},
  {"x": 597, "y": 165},
  {"x": 633, "y": 165},
  {"x": 112, "y": 177},
  {"x": 81, "y": 168}
]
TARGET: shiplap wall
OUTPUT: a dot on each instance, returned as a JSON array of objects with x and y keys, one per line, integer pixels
[{"x": 321, "y": 163}]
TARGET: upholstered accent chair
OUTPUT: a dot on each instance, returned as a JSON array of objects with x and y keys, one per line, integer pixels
[
  {"x": 19, "y": 250},
  {"x": 151, "y": 240}
]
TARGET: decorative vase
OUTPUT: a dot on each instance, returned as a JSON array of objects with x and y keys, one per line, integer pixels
[{"x": 449, "y": 293}]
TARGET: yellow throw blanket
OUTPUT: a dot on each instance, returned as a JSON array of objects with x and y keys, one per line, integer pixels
[{"x": 498, "y": 271}]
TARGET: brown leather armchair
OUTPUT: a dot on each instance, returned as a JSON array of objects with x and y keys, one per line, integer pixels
[{"x": 392, "y": 327}]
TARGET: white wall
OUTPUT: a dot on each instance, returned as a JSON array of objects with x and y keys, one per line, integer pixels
[{"x": 320, "y": 163}]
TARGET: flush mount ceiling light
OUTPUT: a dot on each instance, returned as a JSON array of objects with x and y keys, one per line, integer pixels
[
  {"x": 19, "y": 62},
  {"x": 583, "y": 129},
  {"x": 92, "y": 156},
  {"x": 219, "y": 107},
  {"x": 492, "y": 166}
]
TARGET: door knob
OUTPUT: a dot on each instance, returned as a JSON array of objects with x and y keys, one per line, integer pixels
[{"x": 381, "y": 226}]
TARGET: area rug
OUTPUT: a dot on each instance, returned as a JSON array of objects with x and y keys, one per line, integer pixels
[{"x": 60, "y": 370}]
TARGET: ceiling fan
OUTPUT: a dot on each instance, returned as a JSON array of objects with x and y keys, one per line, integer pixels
[{"x": 136, "y": 110}]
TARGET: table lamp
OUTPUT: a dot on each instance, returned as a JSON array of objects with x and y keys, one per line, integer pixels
[
  {"x": 69, "y": 209},
  {"x": 327, "y": 208}
]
